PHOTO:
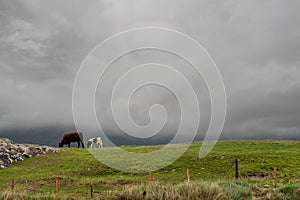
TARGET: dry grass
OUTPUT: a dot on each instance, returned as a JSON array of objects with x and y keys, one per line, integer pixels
[
  {"x": 184, "y": 191},
  {"x": 23, "y": 195}
]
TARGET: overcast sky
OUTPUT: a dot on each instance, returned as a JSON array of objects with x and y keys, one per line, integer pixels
[{"x": 255, "y": 44}]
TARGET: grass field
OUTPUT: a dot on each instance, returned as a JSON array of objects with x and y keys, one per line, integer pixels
[{"x": 76, "y": 167}]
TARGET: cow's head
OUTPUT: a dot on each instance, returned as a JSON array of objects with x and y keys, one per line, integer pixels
[{"x": 60, "y": 144}]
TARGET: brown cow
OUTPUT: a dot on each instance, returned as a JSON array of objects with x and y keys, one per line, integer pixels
[{"x": 72, "y": 137}]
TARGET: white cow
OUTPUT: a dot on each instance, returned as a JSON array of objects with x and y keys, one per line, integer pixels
[{"x": 93, "y": 141}]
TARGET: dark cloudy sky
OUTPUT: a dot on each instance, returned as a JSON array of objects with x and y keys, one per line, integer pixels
[{"x": 255, "y": 44}]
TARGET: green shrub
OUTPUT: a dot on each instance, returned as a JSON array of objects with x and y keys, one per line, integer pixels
[
  {"x": 285, "y": 191},
  {"x": 237, "y": 190}
]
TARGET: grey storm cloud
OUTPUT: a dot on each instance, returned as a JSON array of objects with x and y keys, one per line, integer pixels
[{"x": 255, "y": 44}]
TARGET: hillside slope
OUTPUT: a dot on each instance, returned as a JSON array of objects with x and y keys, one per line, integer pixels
[{"x": 76, "y": 167}]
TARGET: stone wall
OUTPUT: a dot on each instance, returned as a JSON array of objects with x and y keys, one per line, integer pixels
[{"x": 12, "y": 152}]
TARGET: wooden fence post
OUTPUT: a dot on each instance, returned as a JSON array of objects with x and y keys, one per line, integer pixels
[
  {"x": 188, "y": 180},
  {"x": 56, "y": 186},
  {"x": 150, "y": 177},
  {"x": 91, "y": 186},
  {"x": 236, "y": 168},
  {"x": 188, "y": 176},
  {"x": 12, "y": 185},
  {"x": 275, "y": 176}
]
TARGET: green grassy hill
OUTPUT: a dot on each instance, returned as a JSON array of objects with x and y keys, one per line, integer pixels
[{"x": 76, "y": 167}]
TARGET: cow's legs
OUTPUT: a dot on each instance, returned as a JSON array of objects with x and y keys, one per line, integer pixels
[
  {"x": 81, "y": 144},
  {"x": 69, "y": 144},
  {"x": 78, "y": 144}
]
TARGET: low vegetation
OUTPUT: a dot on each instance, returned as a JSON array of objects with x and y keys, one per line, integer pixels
[
  {"x": 201, "y": 190},
  {"x": 211, "y": 177}
]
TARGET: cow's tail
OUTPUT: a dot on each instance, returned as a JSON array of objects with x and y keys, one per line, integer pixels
[{"x": 81, "y": 138}]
